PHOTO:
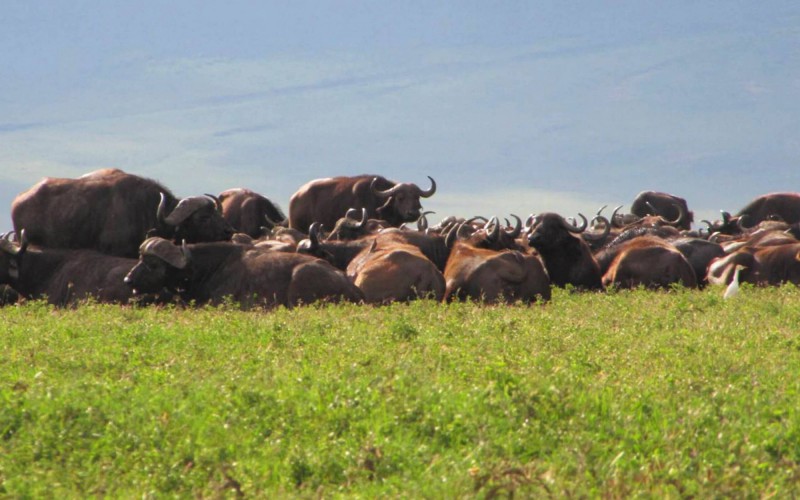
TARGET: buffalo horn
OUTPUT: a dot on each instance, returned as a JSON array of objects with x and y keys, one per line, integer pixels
[
  {"x": 162, "y": 208},
  {"x": 429, "y": 192},
  {"x": 382, "y": 194},
  {"x": 494, "y": 223},
  {"x": 216, "y": 202},
  {"x": 606, "y": 230},
  {"x": 574, "y": 228},
  {"x": 517, "y": 228},
  {"x": 615, "y": 218},
  {"x": 677, "y": 220}
]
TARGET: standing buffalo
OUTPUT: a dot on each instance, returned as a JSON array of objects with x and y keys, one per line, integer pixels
[
  {"x": 326, "y": 200},
  {"x": 249, "y": 212},
  {"x": 669, "y": 207},
  {"x": 111, "y": 211},
  {"x": 107, "y": 210}
]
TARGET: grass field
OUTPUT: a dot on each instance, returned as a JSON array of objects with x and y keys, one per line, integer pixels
[{"x": 621, "y": 394}]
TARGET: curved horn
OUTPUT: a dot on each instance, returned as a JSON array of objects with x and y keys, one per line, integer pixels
[
  {"x": 740, "y": 222},
  {"x": 600, "y": 211},
  {"x": 614, "y": 217},
  {"x": 726, "y": 216},
  {"x": 217, "y": 203},
  {"x": 429, "y": 192},
  {"x": 422, "y": 222},
  {"x": 313, "y": 236},
  {"x": 677, "y": 221},
  {"x": 162, "y": 208},
  {"x": 606, "y": 230},
  {"x": 495, "y": 234},
  {"x": 23, "y": 242},
  {"x": 708, "y": 223},
  {"x": 452, "y": 235},
  {"x": 517, "y": 228},
  {"x": 381, "y": 194},
  {"x": 574, "y": 228}
]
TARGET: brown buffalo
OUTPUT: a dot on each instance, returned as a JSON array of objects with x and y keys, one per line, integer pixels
[
  {"x": 769, "y": 265},
  {"x": 395, "y": 272},
  {"x": 249, "y": 212},
  {"x": 651, "y": 262},
  {"x": 326, "y": 200},
  {"x": 478, "y": 268}
]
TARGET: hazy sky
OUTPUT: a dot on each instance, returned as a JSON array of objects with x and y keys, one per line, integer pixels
[{"x": 512, "y": 106}]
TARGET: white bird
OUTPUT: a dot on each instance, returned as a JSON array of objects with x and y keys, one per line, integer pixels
[{"x": 733, "y": 287}]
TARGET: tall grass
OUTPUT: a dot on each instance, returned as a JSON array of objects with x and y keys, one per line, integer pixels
[{"x": 619, "y": 394}]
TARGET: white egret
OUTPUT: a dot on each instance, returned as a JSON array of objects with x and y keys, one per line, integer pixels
[{"x": 733, "y": 287}]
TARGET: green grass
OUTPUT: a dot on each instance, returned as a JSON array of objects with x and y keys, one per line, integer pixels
[{"x": 622, "y": 394}]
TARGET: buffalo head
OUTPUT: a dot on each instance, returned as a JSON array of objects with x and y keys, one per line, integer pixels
[
  {"x": 162, "y": 264},
  {"x": 195, "y": 219},
  {"x": 402, "y": 200}
]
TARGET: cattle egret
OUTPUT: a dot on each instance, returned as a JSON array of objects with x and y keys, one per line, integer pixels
[{"x": 733, "y": 287}]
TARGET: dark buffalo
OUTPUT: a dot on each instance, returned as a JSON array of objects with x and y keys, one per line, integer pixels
[
  {"x": 774, "y": 206},
  {"x": 567, "y": 257},
  {"x": 216, "y": 272},
  {"x": 107, "y": 210},
  {"x": 326, "y": 200},
  {"x": 111, "y": 211},
  {"x": 651, "y": 262},
  {"x": 249, "y": 212},
  {"x": 195, "y": 219},
  {"x": 63, "y": 277},
  {"x": 672, "y": 208}
]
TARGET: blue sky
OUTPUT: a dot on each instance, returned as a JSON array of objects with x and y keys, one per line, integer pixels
[{"x": 514, "y": 107}]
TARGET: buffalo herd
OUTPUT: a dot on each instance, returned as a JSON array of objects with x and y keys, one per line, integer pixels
[{"x": 110, "y": 236}]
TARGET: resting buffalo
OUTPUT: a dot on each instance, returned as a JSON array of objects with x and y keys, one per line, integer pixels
[
  {"x": 62, "y": 276},
  {"x": 567, "y": 257},
  {"x": 326, "y": 200},
  {"x": 111, "y": 211},
  {"x": 490, "y": 266},
  {"x": 249, "y": 212},
  {"x": 669, "y": 207},
  {"x": 215, "y": 272},
  {"x": 651, "y": 262},
  {"x": 770, "y": 265},
  {"x": 395, "y": 272}
]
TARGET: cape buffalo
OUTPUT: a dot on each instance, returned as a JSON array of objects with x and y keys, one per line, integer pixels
[
  {"x": 326, "y": 200},
  {"x": 479, "y": 268},
  {"x": 216, "y": 272},
  {"x": 566, "y": 255},
  {"x": 249, "y": 212},
  {"x": 63, "y": 276},
  {"x": 111, "y": 211},
  {"x": 672, "y": 208},
  {"x": 107, "y": 210}
]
